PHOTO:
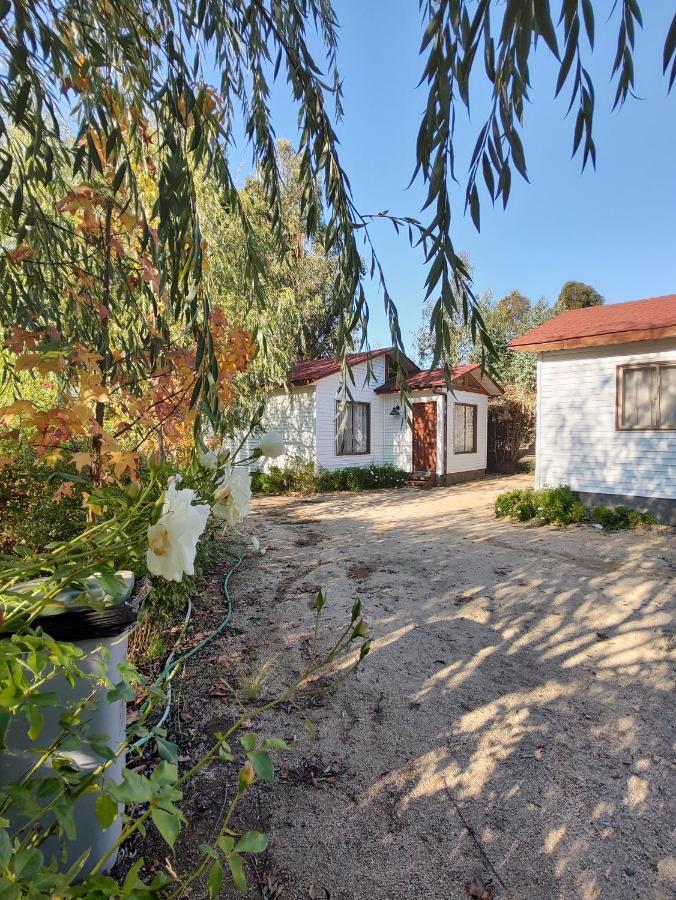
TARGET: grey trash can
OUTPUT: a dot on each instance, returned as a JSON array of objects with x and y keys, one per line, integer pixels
[{"x": 94, "y": 632}]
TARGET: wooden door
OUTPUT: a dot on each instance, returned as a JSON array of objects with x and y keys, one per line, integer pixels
[{"x": 425, "y": 437}]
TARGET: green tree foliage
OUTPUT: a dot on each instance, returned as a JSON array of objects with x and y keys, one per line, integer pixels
[
  {"x": 504, "y": 320},
  {"x": 132, "y": 83},
  {"x": 300, "y": 317},
  {"x": 577, "y": 295}
]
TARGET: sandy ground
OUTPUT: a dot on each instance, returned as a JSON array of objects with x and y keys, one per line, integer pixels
[{"x": 513, "y": 722}]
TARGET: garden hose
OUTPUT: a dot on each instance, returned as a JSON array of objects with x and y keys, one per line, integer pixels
[{"x": 172, "y": 664}]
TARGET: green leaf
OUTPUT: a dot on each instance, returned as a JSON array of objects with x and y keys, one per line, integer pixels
[
  {"x": 225, "y": 843},
  {"x": 274, "y": 743},
  {"x": 5, "y": 847},
  {"x": 237, "y": 870},
  {"x": 167, "y": 750},
  {"x": 168, "y": 824},
  {"x": 545, "y": 26},
  {"x": 215, "y": 879},
  {"x": 119, "y": 176},
  {"x": 248, "y": 740},
  {"x": 17, "y": 204},
  {"x": 252, "y": 842},
  {"x": 263, "y": 765},
  {"x": 106, "y": 810},
  {"x": 27, "y": 863}
]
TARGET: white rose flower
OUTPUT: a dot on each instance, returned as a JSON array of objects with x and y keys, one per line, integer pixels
[
  {"x": 271, "y": 445},
  {"x": 172, "y": 540},
  {"x": 232, "y": 496},
  {"x": 209, "y": 460}
]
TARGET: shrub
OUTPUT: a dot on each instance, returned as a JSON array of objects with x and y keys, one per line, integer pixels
[
  {"x": 506, "y": 504},
  {"x": 559, "y": 506},
  {"x": 620, "y": 517},
  {"x": 551, "y": 506},
  {"x": 29, "y": 516},
  {"x": 305, "y": 479},
  {"x": 511, "y": 428},
  {"x": 298, "y": 477},
  {"x": 562, "y": 506}
]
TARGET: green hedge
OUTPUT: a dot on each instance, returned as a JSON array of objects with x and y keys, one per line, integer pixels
[
  {"x": 304, "y": 478},
  {"x": 620, "y": 517},
  {"x": 562, "y": 506}
]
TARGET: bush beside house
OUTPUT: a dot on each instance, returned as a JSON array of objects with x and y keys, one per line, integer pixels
[
  {"x": 562, "y": 506},
  {"x": 305, "y": 478}
]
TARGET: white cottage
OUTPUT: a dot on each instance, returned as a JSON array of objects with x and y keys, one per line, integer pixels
[
  {"x": 606, "y": 404},
  {"x": 447, "y": 441}
]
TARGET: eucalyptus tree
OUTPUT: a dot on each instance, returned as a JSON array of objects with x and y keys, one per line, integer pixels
[{"x": 120, "y": 93}]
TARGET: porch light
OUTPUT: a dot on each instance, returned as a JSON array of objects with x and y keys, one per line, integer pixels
[{"x": 396, "y": 411}]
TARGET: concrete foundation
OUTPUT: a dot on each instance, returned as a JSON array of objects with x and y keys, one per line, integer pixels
[{"x": 663, "y": 508}]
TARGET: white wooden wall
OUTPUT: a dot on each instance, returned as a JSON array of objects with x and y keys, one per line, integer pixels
[
  {"x": 468, "y": 462},
  {"x": 576, "y": 440},
  {"x": 398, "y": 444},
  {"x": 327, "y": 391},
  {"x": 293, "y": 416}
]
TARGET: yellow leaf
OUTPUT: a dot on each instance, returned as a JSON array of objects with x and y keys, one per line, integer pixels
[
  {"x": 81, "y": 460},
  {"x": 53, "y": 457},
  {"x": 122, "y": 461},
  {"x": 18, "y": 408}
]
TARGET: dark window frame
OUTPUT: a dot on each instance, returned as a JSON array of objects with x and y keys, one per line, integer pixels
[
  {"x": 390, "y": 368},
  {"x": 657, "y": 365},
  {"x": 349, "y": 427},
  {"x": 475, "y": 419}
]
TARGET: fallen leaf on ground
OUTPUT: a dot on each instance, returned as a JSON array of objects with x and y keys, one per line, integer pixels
[{"x": 478, "y": 888}]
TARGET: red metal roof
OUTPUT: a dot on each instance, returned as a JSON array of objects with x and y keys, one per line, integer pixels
[
  {"x": 314, "y": 369},
  {"x": 432, "y": 378},
  {"x": 615, "y": 323}
]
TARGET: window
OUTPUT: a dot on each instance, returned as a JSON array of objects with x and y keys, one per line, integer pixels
[
  {"x": 646, "y": 397},
  {"x": 353, "y": 428},
  {"x": 464, "y": 428},
  {"x": 390, "y": 368}
]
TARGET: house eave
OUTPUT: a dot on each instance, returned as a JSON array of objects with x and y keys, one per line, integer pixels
[{"x": 599, "y": 340}]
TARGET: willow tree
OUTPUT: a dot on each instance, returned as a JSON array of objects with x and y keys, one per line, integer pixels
[{"x": 122, "y": 93}]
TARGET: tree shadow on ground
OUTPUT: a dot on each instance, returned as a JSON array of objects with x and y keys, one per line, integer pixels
[{"x": 514, "y": 715}]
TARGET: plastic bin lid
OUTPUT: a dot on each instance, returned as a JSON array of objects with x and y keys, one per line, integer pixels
[{"x": 67, "y": 620}]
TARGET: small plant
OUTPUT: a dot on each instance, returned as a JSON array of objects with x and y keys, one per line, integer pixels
[
  {"x": 620, "y": 517},
  {"x": 559, "y": 506},
  {"x": 516, "y": 504},
  {"x": 253, "y": 684},
  {"x": 551, "y": 506}
]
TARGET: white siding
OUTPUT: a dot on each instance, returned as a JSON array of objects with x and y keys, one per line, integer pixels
[
  {"x": 468, "y": 462},
  {"x": 398, "y": 437},
  {"x": 398, "y": 443},
  {"x": 293, "y": 416},
  {"x": 327, "y": 391},
  {"x": 577, "y": 442}
]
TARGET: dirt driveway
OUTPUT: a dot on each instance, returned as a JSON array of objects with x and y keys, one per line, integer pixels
[{"x": 515, "y": 718}]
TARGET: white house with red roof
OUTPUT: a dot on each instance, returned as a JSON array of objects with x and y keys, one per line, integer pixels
[
  {"x": 606, "y": 403},
  {"x": 444, "y": 442}
]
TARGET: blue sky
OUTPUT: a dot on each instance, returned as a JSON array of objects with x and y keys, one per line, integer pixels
[{"x": 612, "y": 228}]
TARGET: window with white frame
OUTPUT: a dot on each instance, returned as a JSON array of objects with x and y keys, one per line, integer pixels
[
  {"x": 646, "y": 397},
  {"x": 464, "y": 428},
  {"x": 353, "y": 428}
]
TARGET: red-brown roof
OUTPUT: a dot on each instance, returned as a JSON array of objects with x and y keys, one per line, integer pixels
[
  {"x": 617, "y": 323},
  {"x": 314, "y": 369},
  {"x": 432, "y": 378}
]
